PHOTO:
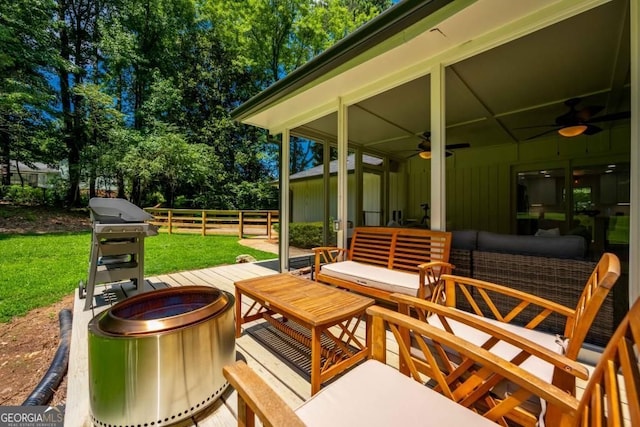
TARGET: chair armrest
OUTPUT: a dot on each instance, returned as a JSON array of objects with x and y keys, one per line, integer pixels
[
  {"x": 327, "y": 255},
  {"x": 528, "y": 347},
  {"x": 327, "y": 248},
  {"x": 483, "y": 289},
  {"x": 482, "y": 369},
  {"x": 431, "y": 278},
  {"x": 255, "y": 397}
]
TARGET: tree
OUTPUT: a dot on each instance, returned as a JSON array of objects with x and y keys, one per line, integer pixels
[
  {"x": 99, "y": 119},
  {"x": 164, "y": 161},
  {"x": 274, "y": 37},
  {"x": 135, "y": 77},
  {"x": 271, "y": 38},
  {"x": 26, "y": 95},
  {"x": 77, "y": 32}
]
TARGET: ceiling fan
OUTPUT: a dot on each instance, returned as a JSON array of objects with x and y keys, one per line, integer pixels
[
  {"x": 579, "y": 122},
  {"x": 424, "y": 147}
]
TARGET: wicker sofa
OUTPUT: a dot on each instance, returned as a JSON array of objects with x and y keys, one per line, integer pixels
[{"x": 551, "y": 267}]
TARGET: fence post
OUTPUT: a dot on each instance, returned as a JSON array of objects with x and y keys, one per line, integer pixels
[
  {"x": 170, "y": 218},
  {"x": 241, "y": 223},
  {"x": 269, "y": 225},
  {"x": 204, "y": 222}
]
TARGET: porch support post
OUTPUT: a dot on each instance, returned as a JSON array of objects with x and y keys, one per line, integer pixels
[
  {"x": 386, "y": 187},
  {"x": 283, "y": 235},
  {"x": 634, "y": 210},
  {"x": 343, "y": 152},
  {"x": 438, "y": 138},
  {"x": 358, "y": 217},
  {"x": 326, "y": 185}
]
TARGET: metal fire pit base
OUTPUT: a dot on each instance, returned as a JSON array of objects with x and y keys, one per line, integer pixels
[{"x": 156, "y": 359}]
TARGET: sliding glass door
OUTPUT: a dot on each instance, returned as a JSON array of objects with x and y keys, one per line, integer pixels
[{"x": 590, "y": 201}]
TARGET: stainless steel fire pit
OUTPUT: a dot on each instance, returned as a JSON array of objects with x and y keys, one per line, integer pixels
[{"x": 156, "y": 358}]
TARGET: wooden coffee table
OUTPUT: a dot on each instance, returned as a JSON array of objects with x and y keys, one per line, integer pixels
[{"x": 324, "y": 310}]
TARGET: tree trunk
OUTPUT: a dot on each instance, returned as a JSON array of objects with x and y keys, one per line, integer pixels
[
  {"x": 120, "y": 180},
  {"x": 65, "y": 101},
  {"x": 92, "y": 185},
  {"x": 73, "y": 193},
  {"x": 19, "y": 174},
  {"x": 136, "y": 194},
  {"x": 6, "y": 161}
]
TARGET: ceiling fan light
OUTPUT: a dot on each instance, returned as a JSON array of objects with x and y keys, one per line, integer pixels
[
  {"x": 570, "y": 131},
  {"x": 425, "y": 155}
]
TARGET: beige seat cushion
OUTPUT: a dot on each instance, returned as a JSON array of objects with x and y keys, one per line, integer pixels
[
  {"x": 533, "y": 365},
  {"x": 374, "y": 394},
  {"x": 374, "y": 276}
]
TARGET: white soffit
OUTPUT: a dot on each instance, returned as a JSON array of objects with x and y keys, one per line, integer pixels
[{"x": 476, "y": 28}]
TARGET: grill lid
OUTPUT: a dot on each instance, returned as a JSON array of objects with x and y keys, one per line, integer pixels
[
  {"x": 113, "y": 211},
  {"x": 162, "y": 310}
]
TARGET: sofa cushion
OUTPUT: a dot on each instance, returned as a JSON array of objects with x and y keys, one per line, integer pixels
[
  {"x": 374, "y": 276},
  {"x": 464, "y": 239},
  {"x": 566, "y": 247},
  {"x": 375, "y": 394}
]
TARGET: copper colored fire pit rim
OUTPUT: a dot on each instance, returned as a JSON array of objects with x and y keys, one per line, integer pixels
[{"x": 211, "y": 301}]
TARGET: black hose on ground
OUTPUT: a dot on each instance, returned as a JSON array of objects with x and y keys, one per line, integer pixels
[{"x": 42, "y": 394}]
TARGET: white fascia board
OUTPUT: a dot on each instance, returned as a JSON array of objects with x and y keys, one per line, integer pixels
[
  {"x": 469, "y": 32},
  {"x": 301, "y": 117}
]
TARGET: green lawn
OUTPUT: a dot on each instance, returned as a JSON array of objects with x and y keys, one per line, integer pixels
[{"x": 38, "y": 270}]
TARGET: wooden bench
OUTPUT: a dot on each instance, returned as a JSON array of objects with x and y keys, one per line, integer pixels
[{"x": 385, "y": 260}]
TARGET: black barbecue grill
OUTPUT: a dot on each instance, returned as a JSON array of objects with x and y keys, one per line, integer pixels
[{"x": 117, "y": 244}]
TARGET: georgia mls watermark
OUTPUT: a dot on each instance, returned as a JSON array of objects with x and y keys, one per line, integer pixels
[{"x": 32, "y": 416}]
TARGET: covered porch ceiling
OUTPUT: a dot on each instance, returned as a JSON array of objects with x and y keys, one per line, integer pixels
[{"x": 496, "y": 91}]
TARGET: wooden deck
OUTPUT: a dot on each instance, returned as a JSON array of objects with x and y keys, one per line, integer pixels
[
  {"x": 288, "y": 383},
  {"x": 291, "y": 386}
]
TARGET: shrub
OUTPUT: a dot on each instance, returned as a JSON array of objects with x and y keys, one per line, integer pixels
[
  {"x": 26, "y": 195},
  {"x": 56, "y": 194},
  {"x": 304, "y": 235}
]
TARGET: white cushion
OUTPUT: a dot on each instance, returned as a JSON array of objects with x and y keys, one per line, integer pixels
[
  {"x": 374, "y": 276},
  {"x": 533, "y": 365},
  {"x": 374, "y": 394}
]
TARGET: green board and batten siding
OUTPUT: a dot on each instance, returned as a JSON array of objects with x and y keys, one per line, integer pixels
[{"x": 480, "y": 181}]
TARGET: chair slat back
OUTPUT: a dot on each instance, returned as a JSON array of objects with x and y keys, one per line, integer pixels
[
  {"x": 372, "y": 246},
  {"x": 416, "y": 247},
  {"x": 615, "y": 379},
  {"x": 399, "y": 248},
  {"x": 601, "y": 281}
]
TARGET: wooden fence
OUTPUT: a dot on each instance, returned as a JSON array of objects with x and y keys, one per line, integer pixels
[{"x": 211, "y": 221}]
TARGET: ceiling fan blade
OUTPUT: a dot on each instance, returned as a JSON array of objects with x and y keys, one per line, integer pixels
[
  {"x": 591, "y": 130},
  {"x": 456, "y": 146},
  {"x": 536, "y": 126},
  {"x": 587, "y": 112},
  {"x": 543, "y": 133},
  {"x": 610, "y": 117},
  {"x": 567, "y": 119}
]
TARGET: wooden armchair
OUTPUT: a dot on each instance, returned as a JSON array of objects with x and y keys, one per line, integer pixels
[
  {"x": 375, "y": 393},
  {"x": 615, "y": 380},
  {"x": 611, "y": 397},
  {"x": 481, "y": 295}
]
